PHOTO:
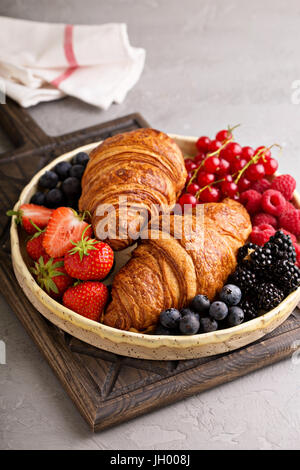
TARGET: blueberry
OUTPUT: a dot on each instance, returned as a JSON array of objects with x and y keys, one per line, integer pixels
[
  {"x": 189, "y": 324},
  {"x": 48, "y": 180},
  {"x": 187, "y": 311},
  {"x": 235, "y": 316},
  {"x": 218, "y": 310},
  {"x": 161, "y": 330},
  {"x": 71, "y": 187},
  {"x": 54, "y": 198},
  {"x": 77, "y": 171},
  {"x": 80, "y": 158},
  {"x": 63, "y": 169},
  {"x": 231, "y": 294},
  {"x": 170, "y": 318},
  {"x": 208, "y": 324},
  {"x": 38, "y": 198},
  {"x": 200, "y": 303}
]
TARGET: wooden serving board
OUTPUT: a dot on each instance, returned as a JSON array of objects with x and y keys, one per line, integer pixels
[{"x": 109, "y": 389}]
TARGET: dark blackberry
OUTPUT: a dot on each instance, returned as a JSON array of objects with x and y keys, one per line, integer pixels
[
  {"x": 281, "y": 247},
  {"x": 287, "y": 275},
  {"x": 269, "y": 296},
  {"x": 245, "y": 251},
  {"x": 262, "y": 259},
  {"x": 249, "y": 308},
  {"x": 244, "y": 278}
]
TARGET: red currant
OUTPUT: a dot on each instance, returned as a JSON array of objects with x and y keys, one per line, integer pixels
[
  {"x": 190, "y": 165},
  {"x": 210, "y": 194},
  {"x": 214, "y": 146},
  {"x": 228, "y": 178},
  {"x": 187, "y": 198},
  {"x": 255, "y": 172},
  {"x": 232, "y": 150},
  {"x": 193, "y": 188},
  {"x": 244, "y": 184},
  {"x": 202, "y": 144},
  {"x": 223, "y": 167},
  {"x": 199, "y": 158},
  {"x": 238, "y": 164},
  {"x": 271, "y": 166},
  {"x": 247, "y": 153},
  {"x": 229, "y": 188},
  {"x": 223, "y": 135},
  {"x": 211, "y": 164},
  {"x": 266, "y": 155},
  {"x": 189, "y": 175},
  {"x": 203, "y": 178}
]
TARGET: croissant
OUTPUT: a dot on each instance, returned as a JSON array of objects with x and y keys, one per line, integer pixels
[
  {"x": 168, "y": 271},
  {"x": 144, "y": 166}
]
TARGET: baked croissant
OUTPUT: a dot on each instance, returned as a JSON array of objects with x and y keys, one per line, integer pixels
[
  {"x": 144, "y": 166},
  {"x": 169, "y": 271}
]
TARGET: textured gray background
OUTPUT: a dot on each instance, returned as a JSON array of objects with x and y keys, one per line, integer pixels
[{"x": 209, "y": 64}]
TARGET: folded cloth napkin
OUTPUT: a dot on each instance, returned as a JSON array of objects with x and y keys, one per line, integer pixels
[{"x": 44, "y": 62}]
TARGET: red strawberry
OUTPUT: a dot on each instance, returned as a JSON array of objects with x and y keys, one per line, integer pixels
[
  {"x": 286, "y": 184},
  {"x": 34, "y": 246},
  {"x": 89, "y": 259},
  {"x": 32, "y": 216},
  {"x": 65, "y": 226},
  {"x": 51, "y": 275},
  {"x": 88, "y": 299}
]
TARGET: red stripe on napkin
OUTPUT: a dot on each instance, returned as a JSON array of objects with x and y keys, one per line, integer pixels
[{"x": 70, "y": 56}]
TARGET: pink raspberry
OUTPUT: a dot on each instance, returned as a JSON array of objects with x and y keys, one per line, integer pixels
[
  {"x": 261, "y": 185},
  {"x": 251, "y": 200},
  {"x": 290, "y": 221},
  {"x": 286, "y": 184},
  {"x": 273, "y": 202},
  {"x": 297, "y": 248},
  {"x": 261, "y": 234},
  {"x": 263, "y": 218}
]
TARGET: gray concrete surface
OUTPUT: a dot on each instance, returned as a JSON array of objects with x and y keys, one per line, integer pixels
[{"x": 209, "y": 63}]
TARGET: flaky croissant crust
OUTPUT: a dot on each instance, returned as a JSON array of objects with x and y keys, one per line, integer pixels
[
  {"x": 169, "y": 272},
  {"x": 145, "y": 166}
]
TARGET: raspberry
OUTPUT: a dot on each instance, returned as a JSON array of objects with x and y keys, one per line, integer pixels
[
  {"x": 286, "y": 184},
  {"x": 261, "y": 185},
  {"x": 263, "y": 218},
  {"x": 273, "y": 202},
  {"x": 261, "y": 234},
  {"x": 251, "y": 200},
  {"x": 290, "y": 221},
  {"x": 297, "y": 248}
]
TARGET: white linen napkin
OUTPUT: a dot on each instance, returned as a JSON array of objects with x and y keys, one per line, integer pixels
[{"x": 44, "y": 62}]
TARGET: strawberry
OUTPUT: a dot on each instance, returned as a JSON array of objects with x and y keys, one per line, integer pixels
[
  {"x": 89, "y": 259},
  {"x": 65, "y": 226},
  {"x": 34, "y": 246},
  {"x": 51, "y": 275},
  {"x": 32, "y": 217},
  {"x": 88, "y": 299}
]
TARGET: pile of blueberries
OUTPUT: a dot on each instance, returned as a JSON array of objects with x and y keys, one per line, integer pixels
[
  {"x": 202, "y": 316},
  {"x": 61, "y": 186}
]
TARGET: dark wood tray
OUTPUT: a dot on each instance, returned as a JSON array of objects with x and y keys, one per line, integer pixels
[{"x": 109, "y": 389}]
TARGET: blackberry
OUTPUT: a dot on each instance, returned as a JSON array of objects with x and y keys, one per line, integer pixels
[
  {"x": 244, "y": 278},
  {"x": 269, "y": 296},
  {"x": 281, "y": 247},
  {"x": 249, "y": 309},
  {"x": 262, "y": 259},
  {"x": 245, "y": 251},
  {"x": 287, "y": 275}
]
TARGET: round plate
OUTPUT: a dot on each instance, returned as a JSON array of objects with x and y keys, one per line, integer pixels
[{"x": 136, "y": 344}]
